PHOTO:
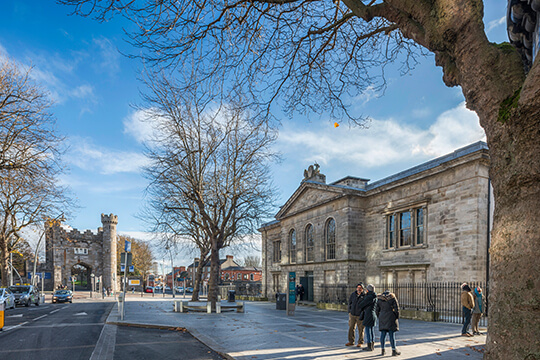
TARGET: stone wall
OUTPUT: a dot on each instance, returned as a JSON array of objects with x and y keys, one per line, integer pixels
[
  {"x": 453, "y": 193},
  {"x": 66, "y": 247}
]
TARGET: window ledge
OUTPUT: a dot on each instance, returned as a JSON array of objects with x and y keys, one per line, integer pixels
[{"x": 404, "y": 248}]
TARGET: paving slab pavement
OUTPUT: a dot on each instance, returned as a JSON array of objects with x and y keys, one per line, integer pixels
[{"x": 263, "y": 332}]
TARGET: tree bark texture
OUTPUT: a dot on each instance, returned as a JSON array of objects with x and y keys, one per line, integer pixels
[
  {"x": 508, "y": 104},
  {"x": 198, "y": 277},
  {"x": 214, "y": 274}
]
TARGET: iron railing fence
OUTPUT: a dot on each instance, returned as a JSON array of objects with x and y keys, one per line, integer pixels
[
  {"x": 251, "y": 288},
  {"x": 443, "y": 298}
]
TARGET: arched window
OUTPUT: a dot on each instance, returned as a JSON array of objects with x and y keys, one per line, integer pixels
[
  {"x": 330, "y": 239},
  {"x": 292, "y": 246},
  {"x": 310, "y": 243}
]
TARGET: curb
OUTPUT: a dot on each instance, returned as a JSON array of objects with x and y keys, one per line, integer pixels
[{"x": 114, "y": 313}]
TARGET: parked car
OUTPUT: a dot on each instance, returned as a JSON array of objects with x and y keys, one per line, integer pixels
[
  {"x": 62, "y": 296},
  {"x": 7, "y": 298},
  {"x": 149, "y": 289},
  {"x": 25, "y": 294},
  {"x": 189, "y": 290}
]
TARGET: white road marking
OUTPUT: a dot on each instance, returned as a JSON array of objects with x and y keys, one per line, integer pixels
[
  {"x": 41, "y": 317},
  {"x": 81, "y": 314},
  {"x": 7, "y": 328}
]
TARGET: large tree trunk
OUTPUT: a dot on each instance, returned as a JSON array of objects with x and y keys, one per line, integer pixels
[
  {"x": 508, "y": 105},
  {"x": 4, "y": 256},
  {"x": 214, "y": 274},
  {"x": 198, "y": 276},
  {"x": 514, "y": 317}
]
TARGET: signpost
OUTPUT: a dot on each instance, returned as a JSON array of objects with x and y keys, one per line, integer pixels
[
  {"x": 125, "y": 265},
  {"x": 291, "y": 296}
]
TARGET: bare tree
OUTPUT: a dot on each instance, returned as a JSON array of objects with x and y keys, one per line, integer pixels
[
  {"x": 315, "y": 53},
  {"x": 252, "y": 260},
  {"x": 175, "y": 224},
  {"x": 210, "y": 166},
  {"x": 30, "y": 153}
]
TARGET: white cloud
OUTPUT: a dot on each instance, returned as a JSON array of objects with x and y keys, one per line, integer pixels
[
  {"x": 139, "y": 125},
  {"x": 83, "y": 92},
  {"x": 454, "y": 128},
  {"x": 110, "y": 57},
  {"x": 386, "y": 142},
  {"x": 88, "y": 156},
  {"x": 495, "y": 23}
]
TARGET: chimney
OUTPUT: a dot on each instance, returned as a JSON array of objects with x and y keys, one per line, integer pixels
[{"x": 229, "y": 257}]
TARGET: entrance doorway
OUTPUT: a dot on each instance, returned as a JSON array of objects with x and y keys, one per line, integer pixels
[
  {"x": 82, "y": 272},
  {"x": 307, "y": 283}
]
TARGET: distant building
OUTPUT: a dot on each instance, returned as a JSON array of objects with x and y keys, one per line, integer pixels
[
  {"x": 177, "y": 276},
  {"x": 230, "y": 271},
  {"x": 428, "y": 223},
  {"x": 85, "y": 256}
]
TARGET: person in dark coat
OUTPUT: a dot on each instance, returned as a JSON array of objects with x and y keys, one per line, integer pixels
[
  {"x": 355, "y": 320},
  {"x": 300, "y": 292},
  {"x": 388, "y": 313},
  {"x": 370, "y": 317}
]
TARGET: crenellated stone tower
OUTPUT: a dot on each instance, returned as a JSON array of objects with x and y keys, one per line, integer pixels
[
  {"x": 88, "y": 256},
  {"x": 109, "y": 250}
]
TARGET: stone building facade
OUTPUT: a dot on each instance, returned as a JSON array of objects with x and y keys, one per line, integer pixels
[
  {"x": 68, "y": 252},
  {"x": 429, "y": 223}
]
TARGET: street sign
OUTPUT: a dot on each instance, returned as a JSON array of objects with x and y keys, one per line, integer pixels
[
  {"x": 127, "y": 248},
  {"x": 122, "y": 267},
  {"x": 125, "y": 259},
  {"x": 131, "y": 268}
]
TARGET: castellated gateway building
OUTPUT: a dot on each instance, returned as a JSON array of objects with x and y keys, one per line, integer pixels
[
  {"x": 70, "y": 253},
  {"x": 430, "y": 223}
]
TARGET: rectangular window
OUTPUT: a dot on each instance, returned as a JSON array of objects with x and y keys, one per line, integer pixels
[
  {"x": 277, "y": 251},
  {"x": 391, "y": 232},
  {"x": 405, "y": 228},
  {"x": 419, "y": 226}
]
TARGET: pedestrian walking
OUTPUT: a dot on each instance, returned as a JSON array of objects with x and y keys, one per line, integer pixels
[
  {"x": 370, "y": 317},
  {"x": 355, "y": 318},
  {"x": 478, "y": 310},
  {"x": 467, "y": 303},
  {"x": 300, "y": 292},
  {"x": 388, "y": 314}
]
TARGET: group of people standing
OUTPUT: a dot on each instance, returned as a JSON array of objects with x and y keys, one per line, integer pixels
[
  {"x": 365, "y": 306},
  {"x": 473, "y": 307}
]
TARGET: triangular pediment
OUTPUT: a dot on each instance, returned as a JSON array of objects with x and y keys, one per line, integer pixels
[{"x": 307, "y": 196}]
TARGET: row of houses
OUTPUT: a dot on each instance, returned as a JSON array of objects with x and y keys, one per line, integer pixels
[{"x": 230, "y": 272}]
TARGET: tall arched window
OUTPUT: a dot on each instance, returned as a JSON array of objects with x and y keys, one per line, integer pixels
[
  {"x": 292, "y": 246},
  {"x": 310, "y": 243},
  {"x": 330, "y": 239}
]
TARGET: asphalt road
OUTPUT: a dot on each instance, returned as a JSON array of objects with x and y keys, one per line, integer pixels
[{"x": 78, "y": 331}]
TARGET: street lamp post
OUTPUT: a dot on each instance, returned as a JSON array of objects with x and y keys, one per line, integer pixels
[
  {"x": 60, "y": 218},
  {"x": 172, "y": 274}
]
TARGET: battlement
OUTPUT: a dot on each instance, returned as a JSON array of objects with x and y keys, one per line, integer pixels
[
  {"x": 88, "y": 235},
  {"x": 109, "y": 219}
]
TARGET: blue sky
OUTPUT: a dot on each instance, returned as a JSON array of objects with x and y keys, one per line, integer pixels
[{"x": 79, "y": 62}]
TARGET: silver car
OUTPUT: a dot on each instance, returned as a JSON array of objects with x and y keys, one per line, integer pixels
[
  {"x": 7, "y": 298},
  {"x": 25, "y": 294}
]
